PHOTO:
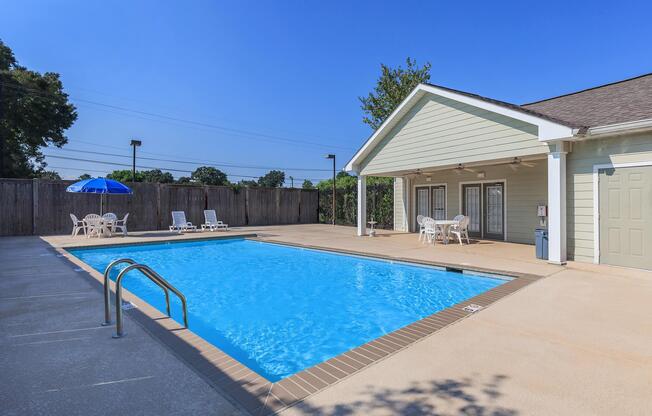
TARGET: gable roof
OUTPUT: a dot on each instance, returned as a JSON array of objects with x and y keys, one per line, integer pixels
[
  {"x": 625, "y": 101},
  {"x": 549, "y": 128},
  {"x": 618, "y": 102}
]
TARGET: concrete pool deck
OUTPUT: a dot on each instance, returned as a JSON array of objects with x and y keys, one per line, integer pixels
[{"x": 576, "y": 342}]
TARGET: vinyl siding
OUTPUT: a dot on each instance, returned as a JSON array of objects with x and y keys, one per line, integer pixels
[
  {"x": 438, "y": 131},
  {"x": 399, "y": 211},
  {"x": 579, "y": 185},
  {"x": 526, "y": 187}
]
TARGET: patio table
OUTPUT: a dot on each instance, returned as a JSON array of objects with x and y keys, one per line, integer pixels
[
  {"x": 105, "y": 227},
  {"x": 445, "y": 225}
]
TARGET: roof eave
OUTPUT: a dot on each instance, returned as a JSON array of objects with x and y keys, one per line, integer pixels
[{"x": 548, "y": 130}]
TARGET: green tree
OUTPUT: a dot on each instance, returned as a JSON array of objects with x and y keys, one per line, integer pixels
[
  {"x": 272, "y": 179},
  {"x": 34, "y": 113},
  {"x": 50, "y": 175},
  {"x": 84, "y": 176},
  {"x": 248, "y": 182},
  {"x": 307, "y": 184},
  {"x": 207, "y": 175},
  {"x": 124, "y": 175},
  {"x": 393, "y": 85},
  {"x": 183, "y": 179},
  {"x": 157, "y": 176}
]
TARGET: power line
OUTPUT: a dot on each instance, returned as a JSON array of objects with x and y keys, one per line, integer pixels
[
  {"x": 177, "y": 159},
  {"x": 246, "y": 133},
  {"x": 216, "y": 164},
  {"x": 151, "y": 167}
]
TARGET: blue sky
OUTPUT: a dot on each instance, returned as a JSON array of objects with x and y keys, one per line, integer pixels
[{"x": 275, "y": 84}]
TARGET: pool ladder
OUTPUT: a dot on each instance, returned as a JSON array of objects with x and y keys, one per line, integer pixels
[{"x": 149, "y": 273}]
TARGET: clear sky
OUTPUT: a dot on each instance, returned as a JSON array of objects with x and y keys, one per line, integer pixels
[{"x": 275, "y": 83}]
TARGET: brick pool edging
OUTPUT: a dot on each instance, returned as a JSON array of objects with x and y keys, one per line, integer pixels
[{"x": 257, "y": 395}]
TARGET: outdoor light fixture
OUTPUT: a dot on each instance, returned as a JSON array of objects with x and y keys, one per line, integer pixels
[
  {"x": 332, "y": 156},
  {"x": 134, "y": 144}
]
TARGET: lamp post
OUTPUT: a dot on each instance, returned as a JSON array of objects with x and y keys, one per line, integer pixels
[
  {"x": 134, "y": 144},
  {"x": 332, "y": 156}
]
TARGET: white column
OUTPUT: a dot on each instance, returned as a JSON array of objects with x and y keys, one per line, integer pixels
[
  {"x": 362, "y": 205},
  {"x": 557, "y": 205}
]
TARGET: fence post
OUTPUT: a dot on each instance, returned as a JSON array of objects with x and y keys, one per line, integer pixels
[
  {"x": 158, "y": 206},
  {"x": 246, "y": 205},
  {"x": 34, "y": 205}
]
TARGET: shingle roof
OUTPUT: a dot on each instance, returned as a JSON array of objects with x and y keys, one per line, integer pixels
[{"x": 619, "y": 102}]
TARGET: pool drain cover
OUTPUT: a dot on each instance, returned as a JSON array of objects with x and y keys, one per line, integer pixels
[{"x": 472, "y": 308}]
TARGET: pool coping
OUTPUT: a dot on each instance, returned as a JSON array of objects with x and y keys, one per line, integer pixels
[{"x": 253, "y": 392}]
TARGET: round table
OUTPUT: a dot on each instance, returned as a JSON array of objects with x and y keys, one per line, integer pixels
[{"x": 445, "y": 225}]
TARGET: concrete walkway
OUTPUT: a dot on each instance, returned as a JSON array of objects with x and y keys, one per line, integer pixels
[
  {"x": 578, "y": 342},
  {"x": 56, "y": 359}
]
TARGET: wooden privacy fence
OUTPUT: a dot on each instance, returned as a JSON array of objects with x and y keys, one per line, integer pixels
[{"x": 43, "y": 207}]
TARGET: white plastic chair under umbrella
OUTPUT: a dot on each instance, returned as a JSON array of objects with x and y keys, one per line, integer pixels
[{"x": 461, "y": 229}]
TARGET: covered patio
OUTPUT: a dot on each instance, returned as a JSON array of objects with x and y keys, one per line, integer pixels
[{"x": 453, "y": 153}]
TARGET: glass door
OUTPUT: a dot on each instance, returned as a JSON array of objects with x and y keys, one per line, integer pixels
[
  {"x": 494, "y": 212},
  {"x": 438, "y": 202},
  {"x": 423, "y": 203},
  {"x": 472, "y": 208}
]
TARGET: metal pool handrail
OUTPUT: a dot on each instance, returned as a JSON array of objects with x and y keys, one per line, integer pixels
[
  {"x": 152, "y": 275},
  {"x": 107, "y": 289}
]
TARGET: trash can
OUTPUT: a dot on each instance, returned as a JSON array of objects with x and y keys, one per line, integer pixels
[{"x": 541, "y": 242}]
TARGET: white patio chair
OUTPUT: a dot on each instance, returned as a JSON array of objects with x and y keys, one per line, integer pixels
[
  {"x": 432, "y": 231},
  {"x": 461, "y": 229},
  {"x": 422, "y": 229},
  {"x": 211, "y": 222},
  {"x": 93, "y": 225},
  {"x": 109, "y": 219},
  {"x": 121, "y": 225},
  {"x": 179, "y": 222},
  {"x": 77, "y": 225}
]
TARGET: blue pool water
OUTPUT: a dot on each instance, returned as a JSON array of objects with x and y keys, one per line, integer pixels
[{"x": 280, "y": 309}]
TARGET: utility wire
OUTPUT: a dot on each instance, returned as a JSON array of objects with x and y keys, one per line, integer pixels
[
  {"x": 215, "y": 164},
  {"x": 151, "y": 167},
  {"x": 181, "y": 120}
]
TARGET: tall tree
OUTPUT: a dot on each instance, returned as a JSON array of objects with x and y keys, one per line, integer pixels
[
  {"x": 50, "y": 175},
  {"x": 207, "y": 175},
  {"x": 34, "y": 113},
  {"x": 158, "y": 176},
  {"x": 124, "y": 175},
  {"x": 307, "y": 184},
  {"x": 84, "y": 176},
  {"x": 393, "y": 85},
  {"x": 272, "y": 179}
]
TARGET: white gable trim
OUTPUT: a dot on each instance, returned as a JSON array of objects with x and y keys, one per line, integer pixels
[{"x": 548, "y": 130}]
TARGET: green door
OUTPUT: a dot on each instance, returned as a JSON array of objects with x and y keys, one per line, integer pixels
[{"x": 626, "y": 216}]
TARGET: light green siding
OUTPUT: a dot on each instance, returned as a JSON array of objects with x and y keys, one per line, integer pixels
[
  {"x": 399, "y": 210},
  {"x": 438, "y": 132},
  {"x": 579, "y": 185},
  {"x": 525, "y": 188}
]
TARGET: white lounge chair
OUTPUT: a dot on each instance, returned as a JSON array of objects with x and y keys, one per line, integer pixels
[
  {"x": 77, "y": 225},
  {"x": 121, "y": 225},
  {"x": 212, "y": 223},
  {"x": 93, "y": 225},
  {"x": 461, "y": 229},
  {"x": 179, "y": 222}
]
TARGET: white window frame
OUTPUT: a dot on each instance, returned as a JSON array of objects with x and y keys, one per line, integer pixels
[
  {"x": 596, "y": 199},
  {"x": 483, "y": 181}
]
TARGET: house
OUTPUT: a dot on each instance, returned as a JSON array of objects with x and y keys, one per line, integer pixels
[{"x": 580, "y": 163}]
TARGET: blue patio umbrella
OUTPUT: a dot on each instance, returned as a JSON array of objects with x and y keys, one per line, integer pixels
[{"x": 99, "y": 186}]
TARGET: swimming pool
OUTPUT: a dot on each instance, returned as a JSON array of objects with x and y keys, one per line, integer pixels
[{"x": 280, "y": 309}]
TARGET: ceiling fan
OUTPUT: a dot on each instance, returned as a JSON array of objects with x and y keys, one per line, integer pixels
[
  {"x": 460, "y": 168},
  {"x": 516, "y": 162}
]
